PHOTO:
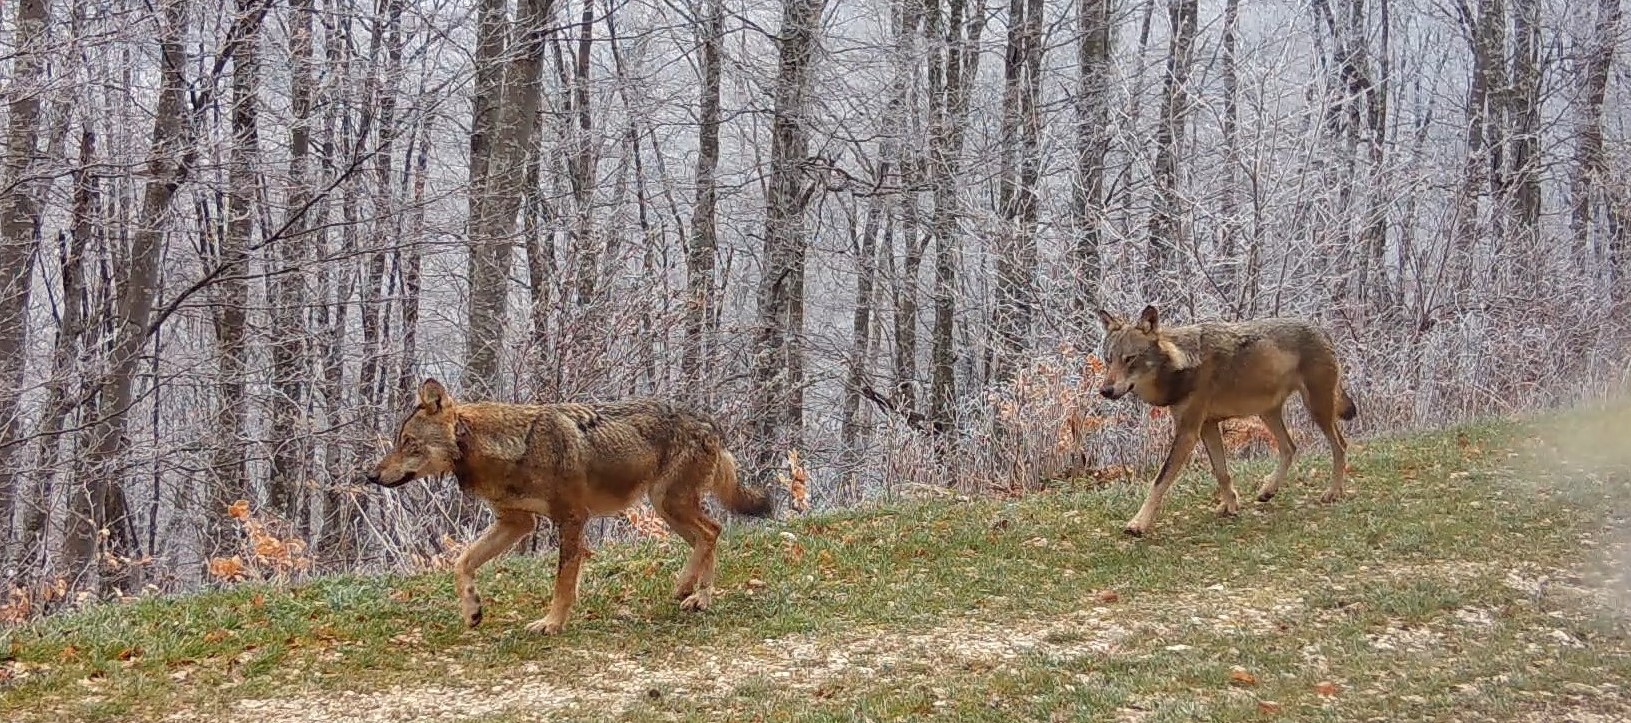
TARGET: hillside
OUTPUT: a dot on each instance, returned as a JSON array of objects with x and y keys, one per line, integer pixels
[{"x": 1472, "y": 574}]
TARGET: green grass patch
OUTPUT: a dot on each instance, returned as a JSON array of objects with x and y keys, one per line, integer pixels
[{"x": 1401, "y": 598}]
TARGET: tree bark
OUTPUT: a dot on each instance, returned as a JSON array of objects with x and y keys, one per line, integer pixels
[
  {"x": 286, "y": 291},
  {"x": 1166, "y": 213},
  {"x": 776, "y": 363},
  {"x": 99, "y": 525},
  {"x": 489, "y": 262},
  {"x": 702, "y": 247},
  {"x": 228, "y": 478},
  {"x": 19, "y": 233},
  {"x": 1590, "y": 160},
  {"x": 953, "y": 64},
  {"x": 1092, "y": 150},
  {"x": 1017, "y": 202}
]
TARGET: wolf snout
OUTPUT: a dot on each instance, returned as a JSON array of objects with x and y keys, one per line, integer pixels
[
  {"x": 371, "y": 476},
  {"x": 1109, "y": 392}
]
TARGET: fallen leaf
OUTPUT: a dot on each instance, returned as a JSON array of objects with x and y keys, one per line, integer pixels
[
  {"x": 1326, "y": 688},
  {"x": 216, "y": 636},
  {"x": 1109, "y": 596},
  {"x": 1268, "y": 707},
  {"x": 259, "y": 601},
  {"x": 1241, "y": 677},
  {"x": 756, "y": 583},
  {"x": 128, "y": 653},
  {"x": 70, "y": 653},
  {"x": 400, "y": 595}
]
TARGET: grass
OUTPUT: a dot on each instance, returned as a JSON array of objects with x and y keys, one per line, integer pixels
[{"x": 1459, "y": 580}]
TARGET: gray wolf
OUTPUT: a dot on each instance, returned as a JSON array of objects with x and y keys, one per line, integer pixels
[
  {"x": 1211, "y": 371},
  {"x": 570, "y": 463}
]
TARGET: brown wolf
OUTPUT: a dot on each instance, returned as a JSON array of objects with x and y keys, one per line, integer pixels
[
  {"x": 571, "y": 462},
  {"x": 1214, "y": 370}
]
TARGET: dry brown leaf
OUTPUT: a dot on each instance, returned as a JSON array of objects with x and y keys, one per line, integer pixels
[
  {"x": 1326, "y": 688},
  {"x": 1109, "y": 596},
  {"x": 239, "y": 510},
  {"x": 1268, "y": 707},
  {"x": 216, "y": 636},
  {"x": 1239, "y": 676}
]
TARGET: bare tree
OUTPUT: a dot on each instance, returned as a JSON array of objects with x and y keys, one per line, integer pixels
[
  {"x": 777, "y": 416},
  {"x": 1166, "y": 209},
  {"x": 1092, "y": 154},
  {"x": 1590, "y": 161},
  {"x": 19, "y": 233},
  {"x": 702, "y": 248},
  {"x": 99, "y": 524},
  {"x": 1017, "y": 196}
]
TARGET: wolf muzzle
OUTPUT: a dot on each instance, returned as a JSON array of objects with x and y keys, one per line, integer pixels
[{"x": 373, "y": 478}]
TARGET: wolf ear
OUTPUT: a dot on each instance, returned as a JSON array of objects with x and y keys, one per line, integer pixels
[
  {"x": 433, "y": 397},
  {"x": 1109, "y": 320},
  {"x": 1149, "y": 321}
]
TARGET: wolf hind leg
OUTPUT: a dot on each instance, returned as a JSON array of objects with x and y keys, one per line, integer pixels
[
  {"x": 1227, "y": 499},
  {"x": 1276, "y": 424},
  {"x": 1321, "y": 398},
  {"x": 678, "y": 500}
]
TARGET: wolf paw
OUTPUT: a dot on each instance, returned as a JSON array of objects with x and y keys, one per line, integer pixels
[
  {"x": 1229, "y": 506},
  {"x": 697, "y": 601},
  {"x": 1331, "y": 496},
  {"x": 472, "y": 612},
  {"x": 1266, "y": 495},
  {"x": 1136, "y": 529},
  {"x": 547, "y": 626}
]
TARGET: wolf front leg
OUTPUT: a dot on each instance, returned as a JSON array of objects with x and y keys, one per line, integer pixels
[
  {"x": 1185, "y": 433},
  {"x": 510, "y": 527},
  {"x": 566, "y": 574}
]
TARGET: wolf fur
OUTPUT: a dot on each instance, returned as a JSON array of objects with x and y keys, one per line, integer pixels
[
  {"x": 1214, "y": 370},
  {"x": 570, "y": 463}
]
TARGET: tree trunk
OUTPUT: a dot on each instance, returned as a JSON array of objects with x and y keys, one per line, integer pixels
[
  {"x": 703, "y": 245},
  {"x": 1092, "y": 150},
  {"x": 1526, "y": 161},
  {"x": 489, "y": 263},
  {"x": 286, "y": 291},
  {"x": 19, "y": 233},
  {"x": 1017, "y": 202},
  {"x": 1590, "y": 160},
  {"x": 1166, "y": 213},
  {"x": 953, "y": 64},
  {"x": 228, "y": 479},
  {"x": 775, "y": 363},
  {"x": 99, "y": 525}
]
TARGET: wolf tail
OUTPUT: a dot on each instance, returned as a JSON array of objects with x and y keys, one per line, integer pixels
[
  {"x": 1346, "y": 409},
  {"x": 729, "y": 489}
]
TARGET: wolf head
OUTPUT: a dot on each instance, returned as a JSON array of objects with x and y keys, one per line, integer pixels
[
  {"x": 426, "y": 445},
  {"x": 1134, "y": 354}
]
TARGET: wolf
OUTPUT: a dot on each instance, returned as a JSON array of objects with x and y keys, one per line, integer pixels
[
  {"x": 570, "y": 463},
  {"x": 1215, "y": 370}
]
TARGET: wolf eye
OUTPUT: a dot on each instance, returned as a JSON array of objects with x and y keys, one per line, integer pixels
[{"x": 1128, "y": 360}]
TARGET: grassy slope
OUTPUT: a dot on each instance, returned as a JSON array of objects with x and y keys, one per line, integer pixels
[{"x": 1413, "y": 598}]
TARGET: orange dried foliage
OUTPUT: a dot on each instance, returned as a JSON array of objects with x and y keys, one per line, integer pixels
[
  {"x": 796, "y": 480},
  {"x": 646, "y": 521},
  {"x": 266, "y": 554}
]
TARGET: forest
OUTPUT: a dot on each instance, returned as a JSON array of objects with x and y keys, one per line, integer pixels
[{"x": 869, "y": 237}]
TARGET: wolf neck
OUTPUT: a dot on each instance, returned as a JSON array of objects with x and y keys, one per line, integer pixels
[{"x": 1175, "y": 379}]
